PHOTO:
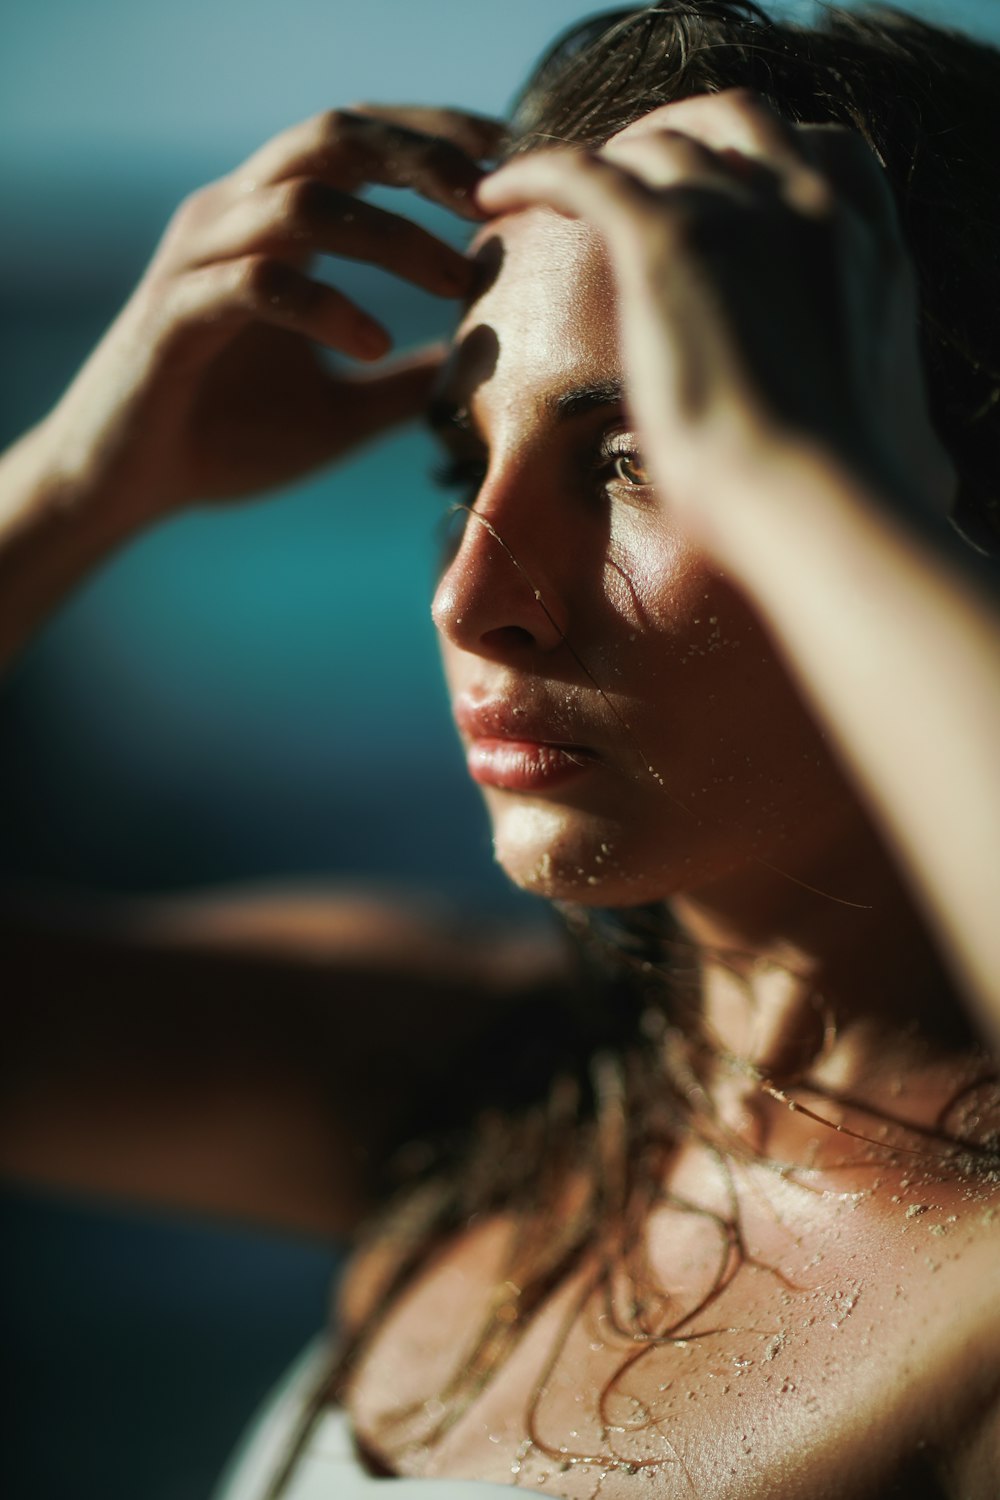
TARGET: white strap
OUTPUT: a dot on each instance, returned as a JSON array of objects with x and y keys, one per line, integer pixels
[{"x": 328, "y": 1468}]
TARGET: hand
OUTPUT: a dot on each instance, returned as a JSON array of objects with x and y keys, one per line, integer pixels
[
  {"x": 210, "y": 384},
  {"x": 765, "y": 297}
]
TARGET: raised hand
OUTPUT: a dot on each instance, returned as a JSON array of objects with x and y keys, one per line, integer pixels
[
  {"x": 765, "y": 298},
  {"x": 210, "y": 383}
]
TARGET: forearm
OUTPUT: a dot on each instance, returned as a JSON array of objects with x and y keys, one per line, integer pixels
[
  {"x": 211, "y": 1081},
  {"x": 55, "y": 527},
  {"x": 208, "y": 385},
  {"x": 900, "y": 656},
  {"x": 251, "y": 1054}
]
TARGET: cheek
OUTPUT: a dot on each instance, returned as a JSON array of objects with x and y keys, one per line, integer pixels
[
  {"x": 673, "y": 613},
  {"x": 696, "y": 676}
]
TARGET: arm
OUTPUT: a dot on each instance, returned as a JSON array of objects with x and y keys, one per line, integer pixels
[
  {"x": 769, "y": 334},
  {"x": 246, "y": 1055},
  {"x": 900, "y": 656},
  {"x": 203, "y": 1056},
  {"x": 210, "y": 385}
]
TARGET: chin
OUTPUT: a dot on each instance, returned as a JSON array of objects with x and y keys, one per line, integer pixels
[{"x": 561, "y": 855}]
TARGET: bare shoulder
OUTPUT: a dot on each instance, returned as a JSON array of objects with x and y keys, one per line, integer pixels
[{"x": 976, "y": 1464}]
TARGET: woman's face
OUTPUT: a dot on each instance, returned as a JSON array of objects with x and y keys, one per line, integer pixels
[{"x": 632, "y": 732}]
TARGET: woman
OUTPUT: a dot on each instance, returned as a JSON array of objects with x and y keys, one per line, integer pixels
[{"x": 711, "y": 1209}]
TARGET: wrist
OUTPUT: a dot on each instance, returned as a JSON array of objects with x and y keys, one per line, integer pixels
[
  {"x": 79, "y": 481},
  {"x": 55, "y": 526}
]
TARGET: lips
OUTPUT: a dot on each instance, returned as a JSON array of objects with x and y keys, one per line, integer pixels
[{"x": 517, "y": 747}]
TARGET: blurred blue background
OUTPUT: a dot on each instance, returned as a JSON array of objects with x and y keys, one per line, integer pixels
[{"x": 223, "y": 701}]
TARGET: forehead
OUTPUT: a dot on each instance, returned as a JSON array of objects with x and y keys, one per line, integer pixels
[{"x": 547, "y": 316}]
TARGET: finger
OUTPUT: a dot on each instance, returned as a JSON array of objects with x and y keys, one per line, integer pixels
[
  {"x": 208, "y": 303},
  {"x": 666, "y": 158},
  {"x": 305, "y": 216},
  {"x": 745, "y": 133},
  {"x": 576, "y": 183},
  {"x": 395, "y": 394},
  {"x": 348, "y": 149},
  {"x": 736, "y": 119},
  {"x": 478, "y": 136}
]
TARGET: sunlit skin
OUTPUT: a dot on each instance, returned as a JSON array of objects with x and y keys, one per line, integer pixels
[
  {"x": 575, "y": 605},
  {"x": 681, "y": 583},
  {"x": 637, "y": 647},
  {"x": 710, "y": 785}
]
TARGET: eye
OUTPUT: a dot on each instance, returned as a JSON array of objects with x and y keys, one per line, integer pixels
[
  {"x": 629, "y": 467},
  {"x": 622, "y": 462}
]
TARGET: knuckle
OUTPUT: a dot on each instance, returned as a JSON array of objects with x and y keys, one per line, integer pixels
[
  {"x": 305, "y": 200},
  {"x": 597, "y": 166},
  {"x": 262, "y": 280},
  {"x": 332, "y": 125},
  {"x": 743, "y": 100},
  {"x": 183, "y": 309},
  {"x": 815, "y": 194}
]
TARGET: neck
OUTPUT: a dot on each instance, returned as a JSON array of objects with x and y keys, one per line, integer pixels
[{"x": 827, "y": 966}]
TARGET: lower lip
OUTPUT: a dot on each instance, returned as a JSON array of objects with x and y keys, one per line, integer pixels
[{"x": 524, "y": 765}]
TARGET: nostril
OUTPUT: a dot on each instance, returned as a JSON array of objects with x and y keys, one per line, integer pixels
[{"x": 514, "y": 637}]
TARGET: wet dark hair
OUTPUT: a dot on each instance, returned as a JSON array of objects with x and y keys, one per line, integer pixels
[
  {"x": 925, "y": 100},
  {"x": 612, "y": 1078}
]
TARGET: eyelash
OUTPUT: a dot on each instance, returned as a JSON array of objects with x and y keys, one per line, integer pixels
[
  {"x": 466, "y": 474},
  {"x": 615, "y": 447}
]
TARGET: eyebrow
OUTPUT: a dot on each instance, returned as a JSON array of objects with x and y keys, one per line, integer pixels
[
  {"x": 445, "y": 415},
  {"x": 587, "y": 398}
]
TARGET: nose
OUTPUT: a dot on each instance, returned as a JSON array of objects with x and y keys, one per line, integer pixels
[{"x": 499, "y": 594}]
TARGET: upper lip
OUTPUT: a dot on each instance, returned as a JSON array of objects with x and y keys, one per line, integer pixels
[{"x": 508, "y": 719}]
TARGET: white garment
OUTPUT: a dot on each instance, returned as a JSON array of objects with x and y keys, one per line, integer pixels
[{"x": 328, "y": 1468}]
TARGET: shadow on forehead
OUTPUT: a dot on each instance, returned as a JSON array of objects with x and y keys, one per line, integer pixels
[
  {"x": 471, "y": 363},
  {"x": 488, "y": 261}
]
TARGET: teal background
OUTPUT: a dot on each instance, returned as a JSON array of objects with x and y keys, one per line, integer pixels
[{"x": 244, "y": 695}]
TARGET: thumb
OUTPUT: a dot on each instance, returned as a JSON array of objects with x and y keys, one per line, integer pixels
[{"x": 370, "y": 404}]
